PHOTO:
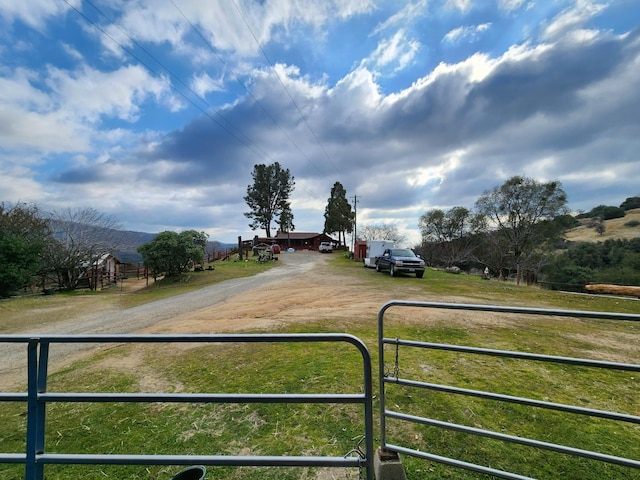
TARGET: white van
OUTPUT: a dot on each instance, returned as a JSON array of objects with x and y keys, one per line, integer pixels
[{"x": 325, "y": 247}]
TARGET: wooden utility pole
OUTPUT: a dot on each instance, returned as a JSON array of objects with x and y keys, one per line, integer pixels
[{"x": 355, "y": 224}]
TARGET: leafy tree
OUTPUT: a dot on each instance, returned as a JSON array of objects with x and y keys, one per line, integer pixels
[
  {"x": 338, "y": 215},
  {"x": 268, "y": 196},
  {"x": 630, "y": 203},
  {"x": 171, "y": 253},
  {"x": 23, "y": 234},
  {"x": 516, "y": 209},
  {"x": 451, "y": 233},
  {"x": 382, "y": 231},
  {"x": 79, "y": 238},
  {"x": 17, "y": 261}
]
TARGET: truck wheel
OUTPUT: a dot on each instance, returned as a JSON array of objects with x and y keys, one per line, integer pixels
[
  {"x": 392, "y": 271},
  {"x": 378, "y": 269},
  {"x": 419, "y": 274}
]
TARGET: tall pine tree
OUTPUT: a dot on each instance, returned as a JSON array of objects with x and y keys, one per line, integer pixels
[{"x": 338, "y": 216}]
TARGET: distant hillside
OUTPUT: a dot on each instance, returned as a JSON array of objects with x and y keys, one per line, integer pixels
[
  {"x": 614, "y": 229},
  {"x": 130, "y": 241}
]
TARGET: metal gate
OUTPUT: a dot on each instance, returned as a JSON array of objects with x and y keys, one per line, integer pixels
[
  {"x": 391, "y": 376},
  {"x": 37, "y": 397}
]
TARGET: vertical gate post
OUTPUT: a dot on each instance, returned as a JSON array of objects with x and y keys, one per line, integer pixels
[{"x": 31, "y": 473}]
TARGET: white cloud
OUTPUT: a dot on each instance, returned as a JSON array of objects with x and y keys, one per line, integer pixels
[
  {"x": 468, "y": 32},
  {"x": 90, "y": 94},
  {"x": 203, "y": 84},
  {"x": 462, "y": 5},
  {"x": 411, "y": 12},
  {"x": 234, "y": 27},
  {"x": 34, "y": 12},
  {"x": 511, "y": 5},
  {"x": 396, "y": 53},
  {"x": 572, "y": 18},
  {"x": 29, "y": 119}
]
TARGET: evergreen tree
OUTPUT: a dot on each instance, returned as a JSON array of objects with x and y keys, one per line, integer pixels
[
  {"x": 285, "y": 222},
  {"x": 338, "y": 216}
]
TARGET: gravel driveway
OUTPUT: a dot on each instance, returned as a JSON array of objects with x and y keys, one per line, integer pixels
[{"x": 135, "y": 319}]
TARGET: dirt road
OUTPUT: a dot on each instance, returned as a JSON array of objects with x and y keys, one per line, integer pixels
[{"x": 300, "y": 285}]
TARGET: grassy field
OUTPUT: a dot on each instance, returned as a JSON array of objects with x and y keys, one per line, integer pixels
[{"x": 334, "y": 430}]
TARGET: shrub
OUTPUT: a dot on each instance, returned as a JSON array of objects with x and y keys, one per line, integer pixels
[{"x": 568, "y": 274}]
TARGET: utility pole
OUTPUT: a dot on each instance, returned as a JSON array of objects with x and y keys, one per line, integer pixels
[{"x": 355, "y": 224}]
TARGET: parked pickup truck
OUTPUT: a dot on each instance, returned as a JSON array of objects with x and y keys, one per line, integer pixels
[{"x": 400, "y": 260}]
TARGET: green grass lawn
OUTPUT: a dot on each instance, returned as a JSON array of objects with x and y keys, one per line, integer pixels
[{"x": 335, "y": 429}]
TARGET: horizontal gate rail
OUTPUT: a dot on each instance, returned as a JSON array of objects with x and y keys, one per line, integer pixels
[
  {"x": 388, "y": 378},
  {"x": 36, "y": 398}
]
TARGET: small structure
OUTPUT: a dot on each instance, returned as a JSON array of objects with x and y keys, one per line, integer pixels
[
  {"x": 297, "y": 240},
  {"x": 360, "y": 250},
  {"x": 103, "y": 271}
]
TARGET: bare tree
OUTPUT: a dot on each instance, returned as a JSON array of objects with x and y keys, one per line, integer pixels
[
  {"x": 382, "y": 231},
  {"x": 80, "y": 237}
]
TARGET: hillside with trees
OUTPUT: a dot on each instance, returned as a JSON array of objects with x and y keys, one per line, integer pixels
[
  {"x": 522, "y": 230},
  {"x": 626, "y": 227},
  {"x": 603, "y": 248}
]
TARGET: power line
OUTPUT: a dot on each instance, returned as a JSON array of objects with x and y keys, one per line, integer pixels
[
  {"x": 246, "y": 143},
  {"x": 226, "y": 66},
  {"x": 285, "y": 87},
  {"x": 237, "y": 79}
]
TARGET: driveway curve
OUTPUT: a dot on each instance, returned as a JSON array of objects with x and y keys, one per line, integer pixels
[{"x": 291, "y": 267}]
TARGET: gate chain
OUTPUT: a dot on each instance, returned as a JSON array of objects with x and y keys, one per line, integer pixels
[
  {"x": 358, "y": 450},
  {"x": 396, "y": 365}
]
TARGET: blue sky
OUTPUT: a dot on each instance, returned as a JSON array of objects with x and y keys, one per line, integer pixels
[{"x": 156, "y": 111}]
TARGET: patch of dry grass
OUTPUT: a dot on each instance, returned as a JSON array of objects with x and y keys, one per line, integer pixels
[{"x": 614, "y": 229}]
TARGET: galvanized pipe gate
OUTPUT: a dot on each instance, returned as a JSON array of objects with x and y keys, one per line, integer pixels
[
  {"x": 391, "y": 376},
  {"x": 37, "y": 397}
]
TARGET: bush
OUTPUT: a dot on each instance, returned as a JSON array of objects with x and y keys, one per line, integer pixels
[
  {"x": 632, "y": 223},
  {"x": 618, "y": 276},
  {"x": 566, "y": 276}
]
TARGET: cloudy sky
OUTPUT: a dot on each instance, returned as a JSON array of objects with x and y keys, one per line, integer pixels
[{"x": 156, "y": 111}]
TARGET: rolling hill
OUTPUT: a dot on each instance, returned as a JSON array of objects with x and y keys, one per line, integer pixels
[{"x": 614, "y": 229}]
